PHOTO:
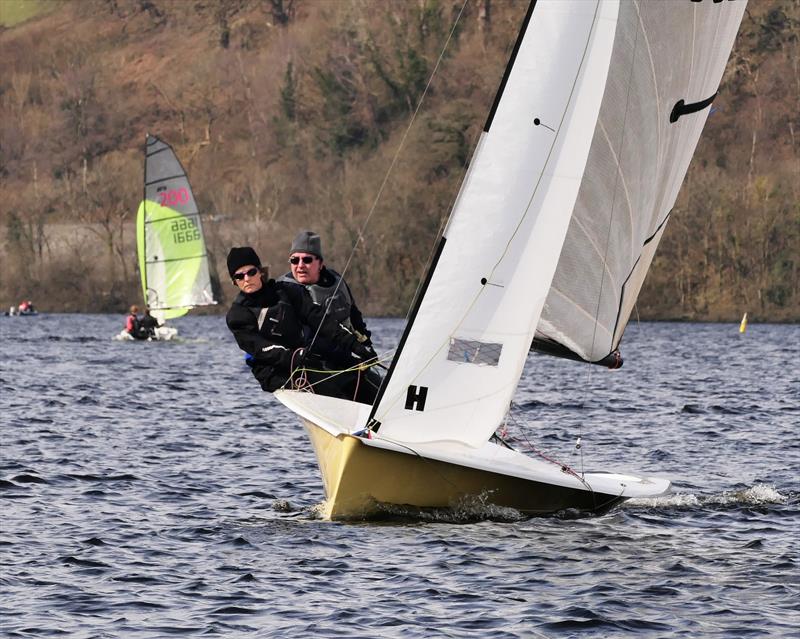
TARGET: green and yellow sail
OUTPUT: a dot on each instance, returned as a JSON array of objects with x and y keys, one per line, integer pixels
[{"x": 173, "y": 260}]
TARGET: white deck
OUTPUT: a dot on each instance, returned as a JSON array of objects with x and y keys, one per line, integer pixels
[{"x": 340, "y": 417}]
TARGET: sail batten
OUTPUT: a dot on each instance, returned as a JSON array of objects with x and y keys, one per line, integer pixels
[{"x": 173, "y": 260}]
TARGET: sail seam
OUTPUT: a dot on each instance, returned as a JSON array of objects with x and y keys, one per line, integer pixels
[
  {"x": 157, "y": 151},
  {"x": 657, "y": 100},
  {"x": 172, "y": 308},
  {"x": 175, "y": 217},
  {"x": 614, "y": 198},
  {"x": 177, "y": 259}
]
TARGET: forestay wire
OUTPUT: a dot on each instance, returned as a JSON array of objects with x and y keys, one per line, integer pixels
[{"x": 391, "y": 167}]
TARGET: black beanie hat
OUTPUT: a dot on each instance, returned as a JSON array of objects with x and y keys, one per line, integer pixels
[
  {"x": 240, "y": 256},
  {"x": 307, "y": 242}
]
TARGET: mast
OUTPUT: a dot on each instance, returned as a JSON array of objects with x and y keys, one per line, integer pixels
[{"x": 142, "y": 264}]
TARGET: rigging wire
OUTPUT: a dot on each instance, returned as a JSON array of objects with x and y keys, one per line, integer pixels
[
  {"x": 400, "y": 146},
  {"x": 564, "y": 467}
]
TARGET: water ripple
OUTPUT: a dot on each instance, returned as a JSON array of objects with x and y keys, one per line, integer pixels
[{"x": 152, "y": 491}]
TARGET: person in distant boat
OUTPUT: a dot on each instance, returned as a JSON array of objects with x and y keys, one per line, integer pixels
[
  {"x": 26, "y": 308},
  {"x": 270, "y": 321},
  {"x": 132, "y": 326},
  {"x": 148, "y": 325}
]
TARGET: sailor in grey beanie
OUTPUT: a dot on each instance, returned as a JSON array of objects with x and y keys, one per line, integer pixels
[{"x": 307, "y": 242}]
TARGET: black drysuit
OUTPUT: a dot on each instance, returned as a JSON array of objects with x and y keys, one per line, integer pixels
[{"x": 273, "y": 324}]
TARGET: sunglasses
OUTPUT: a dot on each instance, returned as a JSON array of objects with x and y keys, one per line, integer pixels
[
  {"x": 306, "y": 259},
  {"x": 248, "y": 273}
]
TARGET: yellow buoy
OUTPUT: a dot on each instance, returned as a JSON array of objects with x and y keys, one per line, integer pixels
[{"x": 743, "y": 325}]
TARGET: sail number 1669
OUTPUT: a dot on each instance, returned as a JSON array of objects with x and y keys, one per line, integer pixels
[{"x": 184, "y": 230}]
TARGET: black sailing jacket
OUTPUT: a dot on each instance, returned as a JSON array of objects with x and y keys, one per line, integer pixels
[
  {"x": 327, "y": 282},
  {"x": 269, "y": 323}
]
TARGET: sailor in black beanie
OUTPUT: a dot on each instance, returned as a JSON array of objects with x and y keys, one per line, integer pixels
[
  {"x": 272, "y": 322},
  {"x": 240, "y": 256}
]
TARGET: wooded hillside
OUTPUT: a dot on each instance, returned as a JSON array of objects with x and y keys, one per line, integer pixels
[{"x": 288, "y": 114}]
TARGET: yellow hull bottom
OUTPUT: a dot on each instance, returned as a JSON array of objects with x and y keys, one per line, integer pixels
[{"x": 358, "y": 478}]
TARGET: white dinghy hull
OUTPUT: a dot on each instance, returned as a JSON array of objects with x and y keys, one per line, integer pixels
[
  {"x": 363, "y": 475},
  {"x": 162, "y": 334}
]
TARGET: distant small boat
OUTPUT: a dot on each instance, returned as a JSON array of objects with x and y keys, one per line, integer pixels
[
  {"x": 25, "y": 309},
  {"x": 173, "y": 261},
  {"x": 743, "y": 325}
]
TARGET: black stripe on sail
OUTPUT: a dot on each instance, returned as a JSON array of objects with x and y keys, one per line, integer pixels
[
  {"x": 510, "y": 65},
  {"x": 177, "y": 259},
  {"x": 180, "y": 216},
  {"x": 407, "y": 331},
  {"x": 172, "y": 177},
  {"x": 166, "y": 147},
  {"x": 635, "y": 264},
  {"x": 658, "y": 228},
  {"x": 681, "y": 108}
]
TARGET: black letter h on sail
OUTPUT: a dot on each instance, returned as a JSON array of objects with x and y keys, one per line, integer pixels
[{"x": 415, "y": 397}]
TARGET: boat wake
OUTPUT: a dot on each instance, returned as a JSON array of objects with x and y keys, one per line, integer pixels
[
  {"x": 473, "y": 509},
  {"x": 756, "y": 495}
]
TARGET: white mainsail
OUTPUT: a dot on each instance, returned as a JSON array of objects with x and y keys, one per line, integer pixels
[
  {"x": 460, "y": 361},
  {"x": 590, "y": 139},
  {"x": 665, "y": 54}
]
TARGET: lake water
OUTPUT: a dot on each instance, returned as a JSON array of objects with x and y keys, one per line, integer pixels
[{"x": 153, "y": 490}]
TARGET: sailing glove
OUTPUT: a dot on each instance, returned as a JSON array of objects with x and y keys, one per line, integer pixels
[
  {"x": 303, "y": 358},
  {"x": 363, "y": 353}
]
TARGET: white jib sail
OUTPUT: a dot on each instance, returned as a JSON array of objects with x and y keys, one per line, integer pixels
[
  {"x": 462, "y": 358},
  {"x": 664, "y": 52}
]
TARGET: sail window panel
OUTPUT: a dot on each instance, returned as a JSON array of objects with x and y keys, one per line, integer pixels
[{"x": 474, "y": 352}]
